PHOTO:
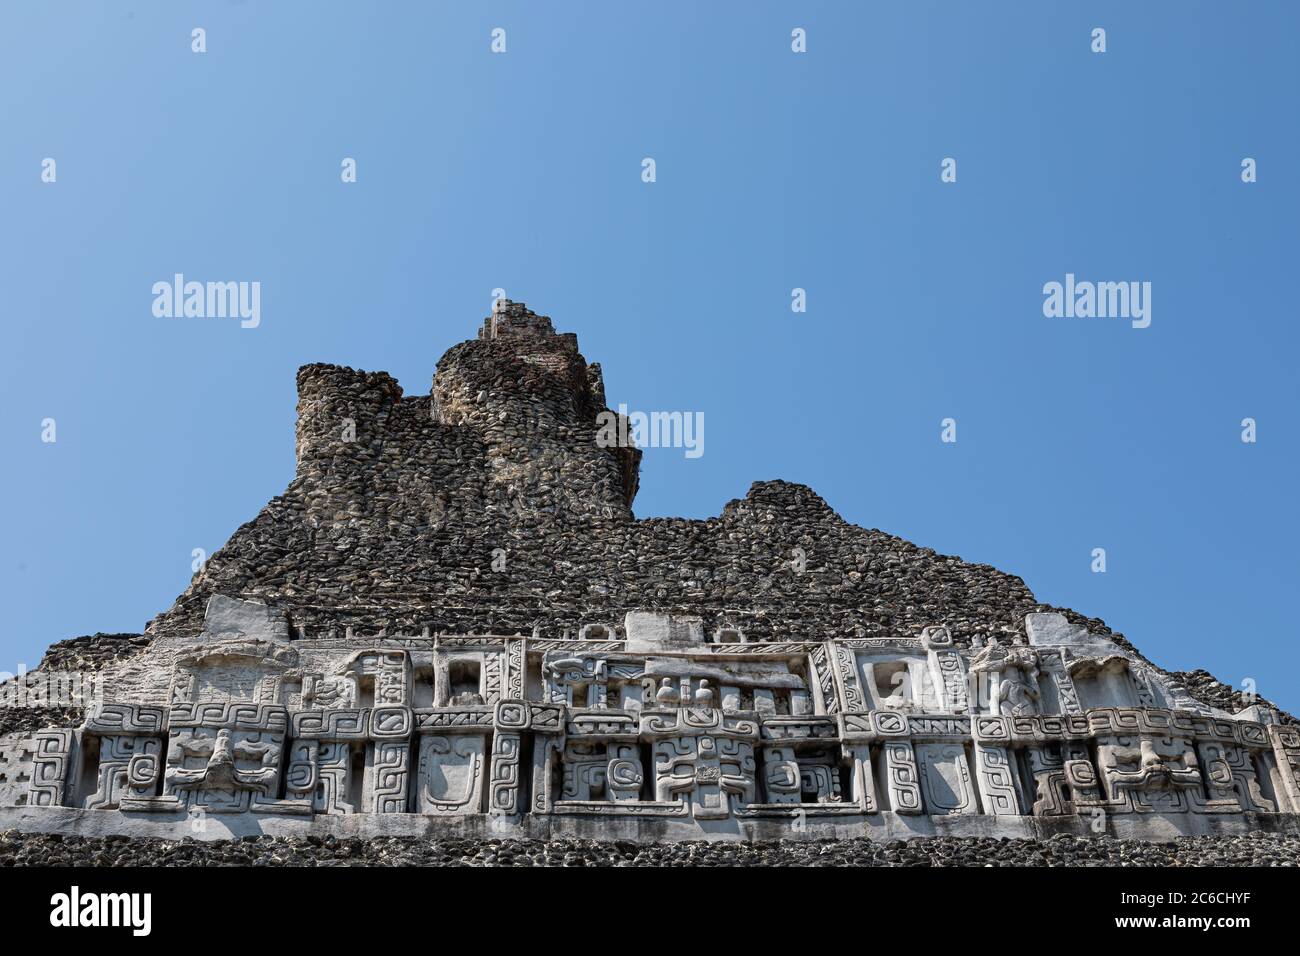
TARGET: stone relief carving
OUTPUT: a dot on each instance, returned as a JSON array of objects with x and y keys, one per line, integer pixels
[
  {"x": 329, "y": 691},
  {"x": 945, "y": 779},
  {"x": 1012, "y": 674},
  {"x": 787, "y": 730},
  {"x": 1148, "y": 773},
  {"x": 224, "y": 757},
  {"x": 450, "y": 773},
  {"x": 703, "y": 757}
]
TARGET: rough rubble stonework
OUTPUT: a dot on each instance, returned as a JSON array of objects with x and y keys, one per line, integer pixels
[
  {"x": 452, "y": 627},
  {"x": 1255, "y": 849}
]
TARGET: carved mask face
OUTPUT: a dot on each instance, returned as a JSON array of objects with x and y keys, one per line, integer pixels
[
  {"x": 1150, "y": 762},
  {"x": 222, "y": 759}
]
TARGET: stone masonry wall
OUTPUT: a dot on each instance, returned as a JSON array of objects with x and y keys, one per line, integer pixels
[
  {"x": 400, "y": 503},
  {"x": 396, "y": 527}
]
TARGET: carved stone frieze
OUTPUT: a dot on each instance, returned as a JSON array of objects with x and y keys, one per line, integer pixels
[{"x": 664, "y": 726}]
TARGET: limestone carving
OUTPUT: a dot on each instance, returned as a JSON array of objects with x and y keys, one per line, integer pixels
[
  {"x": 716, "y": 701},
  {"x": 1013, "y": 678},
  {"x": 794, "y": 732}
]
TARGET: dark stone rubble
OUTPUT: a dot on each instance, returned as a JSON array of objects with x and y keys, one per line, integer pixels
[
  {"x": 1257, "y": 849},
  {"x": 26, "y": 720},
  {"x": 399, "y": 502},
  {"x": 92, "y": 652}
]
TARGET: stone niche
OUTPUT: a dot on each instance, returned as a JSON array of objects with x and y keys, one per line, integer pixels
[
  {"x": 624, "y": 681},
  {"x": 1104, "y": 682},
  {"x": 894, "y": 682}
]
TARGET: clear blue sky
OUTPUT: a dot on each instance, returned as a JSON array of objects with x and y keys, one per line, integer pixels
[{"x": 522, "y": 170}]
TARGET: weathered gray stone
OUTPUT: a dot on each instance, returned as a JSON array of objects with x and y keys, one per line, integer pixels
[
  {"x": 451, "y": 625},
  {"x": 1055, "y": 630},
  {"x": 228, "y": 617},
  {"x": 653, "y": 631}
]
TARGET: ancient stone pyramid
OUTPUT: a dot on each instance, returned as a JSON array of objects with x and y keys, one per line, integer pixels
[{"x": 451, "y": 618}]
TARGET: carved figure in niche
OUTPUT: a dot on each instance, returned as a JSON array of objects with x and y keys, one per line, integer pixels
[
  {"x": 1020, "y": 691},
  {"x": 330, "y": 691},
  {"x": 704, "y": 695},
  {"x": 898, "y": 700},
  {"x": 1012, "y": 675},
  {"x": 893, "y": 684},
  {"x": 668, "y": 695}
]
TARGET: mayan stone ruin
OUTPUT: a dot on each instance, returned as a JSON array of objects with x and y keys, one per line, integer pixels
[{"x": 452, "y": 624}]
